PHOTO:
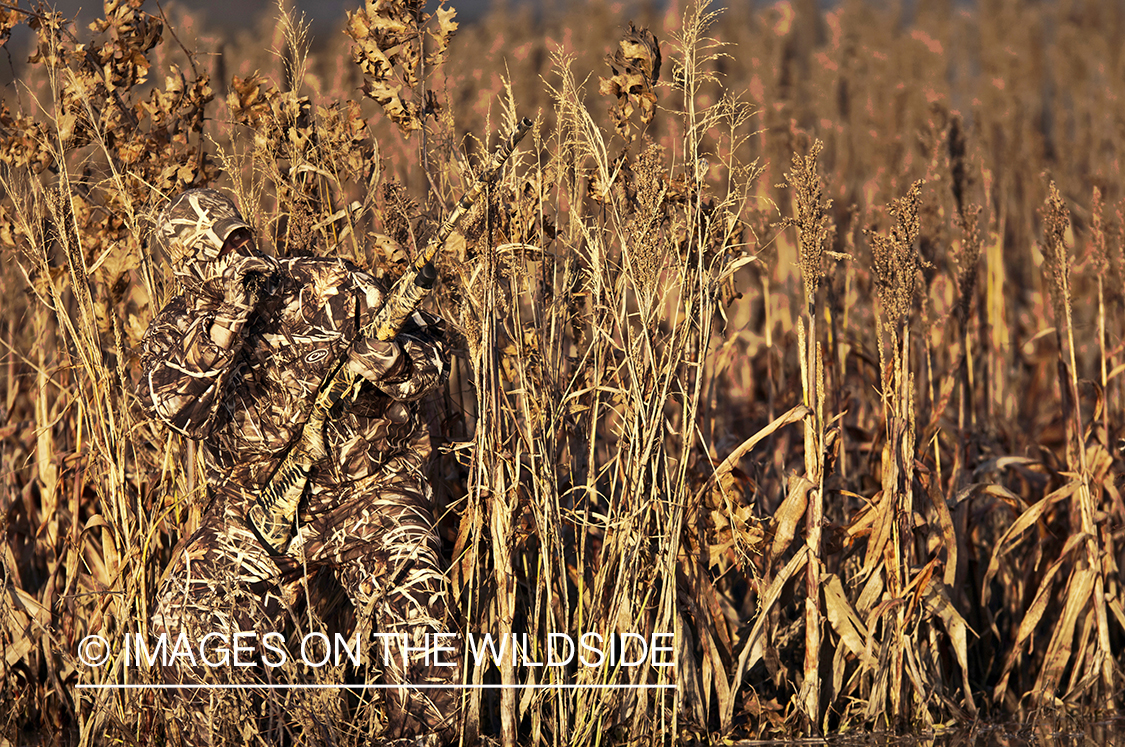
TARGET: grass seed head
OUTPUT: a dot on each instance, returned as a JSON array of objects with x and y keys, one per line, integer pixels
[
  {"x": 897, "y": 261},
  {"x": 1056, "y": 219},
  {"x": 813, "y": 222},
  {"x": 649, "y": 244},
  {"x": 1116, "y": 251},
  {"x": 960, "y": 181},
  {"x": 1098, "y": 249},
  {"x": 398, "y": 210},
  {"x": 967, "y": 257}
]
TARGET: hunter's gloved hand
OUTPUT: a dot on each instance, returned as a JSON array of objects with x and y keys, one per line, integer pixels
[
  {"x": 238, "y": 289},
  {"x": 404, "y": 369},
  {"x": 375, "y": 360},
  {"x": 234, "y": 281},
  {"x": 243, "y": 278}
]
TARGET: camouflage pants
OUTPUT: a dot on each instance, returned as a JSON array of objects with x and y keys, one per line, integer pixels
[{"x": 379, "y": 542}]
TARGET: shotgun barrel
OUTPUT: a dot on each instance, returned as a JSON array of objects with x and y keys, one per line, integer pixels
[
  {"x": 271, "y": 516},
  {"x": 412, "y": 287}
]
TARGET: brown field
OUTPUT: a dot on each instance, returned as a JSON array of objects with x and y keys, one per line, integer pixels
[{"x": 800, "y": 340}]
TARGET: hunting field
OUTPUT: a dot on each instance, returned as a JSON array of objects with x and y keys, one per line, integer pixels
[{"x": 796, "y": 335}]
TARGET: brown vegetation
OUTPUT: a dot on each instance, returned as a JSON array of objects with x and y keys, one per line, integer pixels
[{"x": 754, "y": 348}]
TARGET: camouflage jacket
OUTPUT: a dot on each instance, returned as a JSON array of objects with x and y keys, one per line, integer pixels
[{"x": 248, "y": 402}]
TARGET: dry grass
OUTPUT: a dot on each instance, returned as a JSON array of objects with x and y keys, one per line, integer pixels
[{"x": 640, "y": 330}]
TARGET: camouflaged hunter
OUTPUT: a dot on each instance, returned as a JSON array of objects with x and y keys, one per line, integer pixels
[{"x": 235, "y": 361}]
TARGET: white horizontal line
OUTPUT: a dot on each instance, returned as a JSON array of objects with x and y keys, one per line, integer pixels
[{"x": 375, "y": 687}]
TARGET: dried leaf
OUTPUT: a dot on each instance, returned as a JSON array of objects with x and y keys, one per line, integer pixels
[
  {"x": 880, "y": 532},
  {"x": 728, "y": 464},
  {"x": 845, "y": 621},
  {"x": 1118, "y": 611},
  {"x": 939, "y": 603},
  {"x": 752, "y": 647},
  {"x": 442, "y": 35},
  {"x": 948, "y": 534},
  {"x": 636, "y": 68},
  {"x": 1013, "y": 534},
  {"x": 791, "y": 511},
  {"x": 1080, "y": 590}
]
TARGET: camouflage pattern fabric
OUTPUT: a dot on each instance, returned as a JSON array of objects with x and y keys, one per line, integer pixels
[
  {"x": 235, "y": 361},
  {"x": 192, "y": 230}
]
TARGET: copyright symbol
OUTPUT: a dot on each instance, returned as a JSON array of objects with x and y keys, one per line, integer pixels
[{"x": 93, "y": 650}]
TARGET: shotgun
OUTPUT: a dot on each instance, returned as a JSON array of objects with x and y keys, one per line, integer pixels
[{"x": 271, "y": 516}]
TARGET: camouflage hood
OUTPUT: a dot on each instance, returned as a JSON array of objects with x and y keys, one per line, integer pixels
[{"x": 191, "y": 231}]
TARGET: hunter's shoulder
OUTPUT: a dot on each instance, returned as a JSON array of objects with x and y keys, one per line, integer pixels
[{"x": 325, "y": 271}]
